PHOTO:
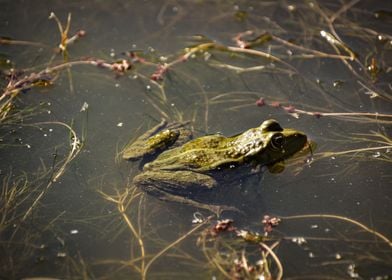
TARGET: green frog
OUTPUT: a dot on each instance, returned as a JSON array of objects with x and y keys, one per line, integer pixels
[{"x": 182, "y": 168}]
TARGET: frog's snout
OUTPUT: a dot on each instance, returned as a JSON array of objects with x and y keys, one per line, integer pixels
[{"x": 296, "y": 142}]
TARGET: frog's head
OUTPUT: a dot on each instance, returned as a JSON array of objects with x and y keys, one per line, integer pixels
[{"x": 278, "y": 143}]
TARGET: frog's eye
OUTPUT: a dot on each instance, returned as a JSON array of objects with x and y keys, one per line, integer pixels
[
  {"x": 271, "y": 125},
  {"x": 277, "y": 141}
]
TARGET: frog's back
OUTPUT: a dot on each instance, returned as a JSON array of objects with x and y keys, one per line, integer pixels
[{"x": 203, "y": 154}]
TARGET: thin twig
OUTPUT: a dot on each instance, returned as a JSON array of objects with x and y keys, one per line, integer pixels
[
  {"x": 342, "y": 218},
  {"x": 160, "y": 253}
]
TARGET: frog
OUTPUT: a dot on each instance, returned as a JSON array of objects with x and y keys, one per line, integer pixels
[{"x": 176, "y": 167}]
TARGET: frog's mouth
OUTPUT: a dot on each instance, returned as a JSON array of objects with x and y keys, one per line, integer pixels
[
  {"x": 311, "y": 145},
  {"x": 295, "y": 143},
  {"x": 306, "y": 151},
  {"x": 301, "y": 157}
]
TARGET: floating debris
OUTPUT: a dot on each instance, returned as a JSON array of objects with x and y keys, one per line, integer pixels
[
  {"x": 112, "y": 53},
  {"x": 270, "y": 222},
  {"x": 250, "y": 236},
  {"x": 351, "y": 271},
  {"x": 298, "y": 240},
  {"x": 61, "y": 255},
  {"x": 84, "y": 107},
  {"x": 221, "y": 226},
  {"x": 377, "y": 155},
  {"x": 338, "y": 83},
  {"x": 198, "y": 218}
]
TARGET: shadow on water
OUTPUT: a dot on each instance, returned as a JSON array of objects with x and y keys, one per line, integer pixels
[{"x": 77, "y": 87}]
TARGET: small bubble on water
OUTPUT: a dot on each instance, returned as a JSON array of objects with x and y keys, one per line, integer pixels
[
  {"x": 61, "y": 255},
  {"x": 84, "y": 107},
  {"x": 207, "y": 56},
  {"x": 351, "y": 271},
  {"x": 291, "y": 8},
  {"x": 298, "y": 240}
]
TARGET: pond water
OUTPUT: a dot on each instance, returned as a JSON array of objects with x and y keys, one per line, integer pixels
[{"x": 68, "y": 207}]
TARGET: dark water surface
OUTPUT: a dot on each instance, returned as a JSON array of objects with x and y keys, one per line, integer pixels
[{"x": 72, "y": 229}]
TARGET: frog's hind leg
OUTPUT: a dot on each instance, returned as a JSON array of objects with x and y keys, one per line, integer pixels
[
  {"x": 184, "y": 133},
  {"x": 179, "y": 186},
  {"x": 216, "y": 209},
  {"x": 137, "y": 148},
  {"x": 157, "y": 139}
]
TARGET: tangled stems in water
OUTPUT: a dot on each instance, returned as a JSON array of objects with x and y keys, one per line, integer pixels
[
  {"x": 378, "y": 141},
  {"x": 233, "y": 266},
  {"x": 341, "y": 218},
  {"x": 124, "y": 202},
  {"x": 270, "y": 251},
  {"x": 20, "y": 196},
  {"x": 65, "y": 41},
  {"x": 293, "y": 111},
  {"x": 76, "y": 146},
  {"x": 230, "y": 263},
  {"x": 171, "y": 245}
]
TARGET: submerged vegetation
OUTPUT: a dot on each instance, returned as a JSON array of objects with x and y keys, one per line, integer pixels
[{"x": 262, "y": 49}]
